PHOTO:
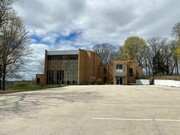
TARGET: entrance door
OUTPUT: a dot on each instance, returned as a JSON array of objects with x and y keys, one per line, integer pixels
[{"x": 119, "y": 80}]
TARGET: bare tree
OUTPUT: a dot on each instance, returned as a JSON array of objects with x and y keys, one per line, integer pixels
[
  {"x": 5, "y": 10},
  {"x": 160, "y": 57},
  {"x": 174, "y": 57},
  {"x": 106, "y": 53},
  {"x": 119, "y": 53},
  {"x": 13, "y": 43},
  {"x": 40, "y": 65},
  {"x": 154, "y": 53},
  {"x": 176, "y": 30}
]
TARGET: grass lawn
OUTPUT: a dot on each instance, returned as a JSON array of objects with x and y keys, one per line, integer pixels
[{"x": 25, "y": 86}]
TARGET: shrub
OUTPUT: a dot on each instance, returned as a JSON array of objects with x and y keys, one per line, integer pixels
[
  {"x": 99, "y": 81},
  {"x": 92, "y": 80}
]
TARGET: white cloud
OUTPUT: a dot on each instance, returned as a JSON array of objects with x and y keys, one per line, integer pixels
[{"x": 99, "y": 21}]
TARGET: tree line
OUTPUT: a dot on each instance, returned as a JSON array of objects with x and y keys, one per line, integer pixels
[{"x": 156, "y": 56}]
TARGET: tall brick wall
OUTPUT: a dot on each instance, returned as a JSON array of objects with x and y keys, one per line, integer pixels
[
  {"x": 108, "y": 75},
  {"x": 88, "y": 63},
  {"x": 131, "y": 79},
  {"x": 81, "y": 66},
  {"x": 138, "y": 72}
]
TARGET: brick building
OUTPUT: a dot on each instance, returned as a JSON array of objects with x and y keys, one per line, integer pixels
[
  {"x": 125, "y": 72},
  {"x": 79, "y": 66}
]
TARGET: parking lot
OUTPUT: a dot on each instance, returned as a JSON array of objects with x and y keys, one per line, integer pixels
[{"x": 92, "y": 110}]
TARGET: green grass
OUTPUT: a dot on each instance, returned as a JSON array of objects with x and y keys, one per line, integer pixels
[
  {"x": 26, "y": 86},
  {"x": 31, "y": 87}
]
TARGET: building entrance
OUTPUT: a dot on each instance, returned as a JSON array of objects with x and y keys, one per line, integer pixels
[{"x": 119, "y": 80}]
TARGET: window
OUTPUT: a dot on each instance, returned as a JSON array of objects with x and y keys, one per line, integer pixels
[
  {"x": 119, "y": 66},
  {"x": 38, "y": 80},
  {"x": 105, "y": 79},
  {"x": 130, "y": 72},
  {"x": 62, "y": 57},
  {"x": 105, "y": 70}
]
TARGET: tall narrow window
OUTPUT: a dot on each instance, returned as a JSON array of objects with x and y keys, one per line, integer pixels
[
  {"x": 130, "y": 72},
  {"x": 105, "y": 71}
]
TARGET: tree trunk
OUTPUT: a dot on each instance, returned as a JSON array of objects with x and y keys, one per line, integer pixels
[
  {"x": 0, "y": 76},
  {"x": 4, "y": 78},
  {"x": 0, "y": 84},
  {"x": 177, "y": 68}
]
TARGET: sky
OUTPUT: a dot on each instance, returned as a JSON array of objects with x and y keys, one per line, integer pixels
[{"x": 74, "y": 24}]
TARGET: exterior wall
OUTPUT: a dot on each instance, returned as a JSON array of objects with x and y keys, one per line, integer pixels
[
  {"x": 40, "y": 79},
  {"x": 142, "y": 82},
  {"x": 62, "y": 69},
  {"x": 69, "y": 68},
  {"x": 45, "y": 67},
  {"x": 82, "y": 66},
  {"x": 106, "y": 76},
  {"x": 170, "y": 83},
  {"x": 138, "y": 72},
  {"x": 125, "y": 74},
  {"x": 131, "y": 79},
  {"x": 88, "y": 64}
]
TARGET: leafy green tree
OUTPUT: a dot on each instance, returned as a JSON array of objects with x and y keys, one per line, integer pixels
[
  {"x": 135, "y": 49},
  {"x": 177, "y": 51},
  {"x": 176, "y": 34}
]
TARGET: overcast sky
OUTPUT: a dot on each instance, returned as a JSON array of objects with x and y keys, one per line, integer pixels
[{"x": 73, "y": 24}]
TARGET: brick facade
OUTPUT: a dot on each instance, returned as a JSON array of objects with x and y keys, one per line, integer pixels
[
  {"x": 88, "y": 64},
  {"x": 79, "y": 66}
]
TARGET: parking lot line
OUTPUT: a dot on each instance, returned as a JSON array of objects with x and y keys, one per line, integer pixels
[
  {"x": 122, "y": 119},
  {"x": 130, "y": 119},
  {"x": 138, "y": 105},
  {"x": 167, "y": 120}
]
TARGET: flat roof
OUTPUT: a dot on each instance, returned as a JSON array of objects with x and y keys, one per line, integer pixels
[{"x": 63, "y": 52}]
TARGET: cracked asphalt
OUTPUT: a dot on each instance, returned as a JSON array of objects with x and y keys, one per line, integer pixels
[{"x": 92, "y": 110}]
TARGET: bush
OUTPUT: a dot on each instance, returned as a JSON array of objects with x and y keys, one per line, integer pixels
[
  {"x": 92, "y": 80},
  {"x": 99, "y": 81}
]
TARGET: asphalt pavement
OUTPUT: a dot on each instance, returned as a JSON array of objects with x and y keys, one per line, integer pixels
[{"x": 92, "y": 110}]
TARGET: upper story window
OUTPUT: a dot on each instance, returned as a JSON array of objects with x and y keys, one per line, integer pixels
[
  {"x": 62, "y": 57},
  {"x": 131, "y": 72},
  {"x": 119, "y": 66}
]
